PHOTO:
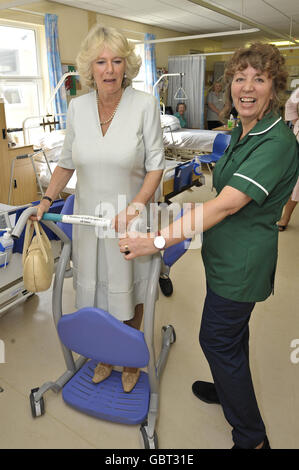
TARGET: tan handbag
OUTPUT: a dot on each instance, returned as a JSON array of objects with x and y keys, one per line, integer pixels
[{"x": 38, "y": 260}]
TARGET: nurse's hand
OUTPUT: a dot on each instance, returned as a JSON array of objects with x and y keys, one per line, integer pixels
[{"x": 137, "y": 244}]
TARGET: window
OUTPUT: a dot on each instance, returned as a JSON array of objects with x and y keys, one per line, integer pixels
[
  {"x": 139, "y": 81},
  {"x": 21, "y": 82}
]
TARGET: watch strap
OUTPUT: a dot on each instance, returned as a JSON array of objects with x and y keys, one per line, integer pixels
[{"x": 48, "y": 199}]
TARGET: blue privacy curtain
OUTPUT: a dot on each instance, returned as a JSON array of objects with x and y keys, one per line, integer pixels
[
  {"x": 150, "y": 65},
  {"x": 54, "y": 65}
]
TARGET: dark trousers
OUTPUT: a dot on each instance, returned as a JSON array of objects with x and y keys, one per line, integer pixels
[{"x": 224, "y": 338}]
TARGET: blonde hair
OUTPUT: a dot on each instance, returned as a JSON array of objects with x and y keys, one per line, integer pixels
[
  {"x": 91, "y": 47},
  {"x": 263, "y": 57}
]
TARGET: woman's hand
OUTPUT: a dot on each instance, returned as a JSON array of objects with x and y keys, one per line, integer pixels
[
  {"x": 122, "y": 221},
  {"x": 43, "y": 206},
  {"x": 138, "y": 244}
]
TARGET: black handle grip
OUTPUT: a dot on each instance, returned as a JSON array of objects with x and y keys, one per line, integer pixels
[{"x": 21, "y": 157}]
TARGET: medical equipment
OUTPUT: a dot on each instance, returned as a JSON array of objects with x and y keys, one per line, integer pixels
[
  {"x": 78, "y": 219},
  {"x": 180, "y": 176},
  {"x": 168, "y": 179},
  {"x": 180, "y": 94},
  {"x": 184, "y": 144},
  {"x": 6, "y": 246},
  {"x": 179, "y": 74},
  {"x": 95, "y": 335}
]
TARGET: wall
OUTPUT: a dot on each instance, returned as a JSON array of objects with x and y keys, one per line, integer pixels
[{"x": 74, "y": 23}]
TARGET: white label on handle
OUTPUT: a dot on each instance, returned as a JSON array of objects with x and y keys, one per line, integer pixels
[{"x": 86, "y": 220}]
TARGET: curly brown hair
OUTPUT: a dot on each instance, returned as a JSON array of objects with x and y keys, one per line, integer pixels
[{"x": 263, "y": 57}]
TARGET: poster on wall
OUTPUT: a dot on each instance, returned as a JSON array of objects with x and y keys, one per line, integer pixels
[{"x": 72, "y": 83}]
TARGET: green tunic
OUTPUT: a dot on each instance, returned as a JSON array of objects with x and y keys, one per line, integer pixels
[
  {"x": 240, "y": 253},
  {"x": 182, "y": 119}
]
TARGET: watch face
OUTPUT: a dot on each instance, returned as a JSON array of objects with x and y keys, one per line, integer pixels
[{"x": 159, "y": 242}]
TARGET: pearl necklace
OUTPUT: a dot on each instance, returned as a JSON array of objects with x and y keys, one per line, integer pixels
[{"x": 113, "y": 114}]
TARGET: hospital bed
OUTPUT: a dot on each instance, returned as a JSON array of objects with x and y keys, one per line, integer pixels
[
  {"x": 183, "y": 144},
  {"x": 173, "y": 181},
  {"x": 51, "y": 144},
  {"x": 180, "y": 176}
]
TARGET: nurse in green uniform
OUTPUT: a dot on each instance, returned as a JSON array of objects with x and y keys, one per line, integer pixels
[{"x": 253, "y": 179}]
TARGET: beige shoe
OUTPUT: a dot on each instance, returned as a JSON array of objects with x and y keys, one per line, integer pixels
[
  {"x": 129, "y": 378},
  {"x": 101, "y": 372}
]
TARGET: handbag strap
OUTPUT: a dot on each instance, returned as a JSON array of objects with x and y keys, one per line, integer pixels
[
  {"x": 28, "y": 238},
  {"x": 39, "y": 230},
  {"x": 45, "y": 239}
]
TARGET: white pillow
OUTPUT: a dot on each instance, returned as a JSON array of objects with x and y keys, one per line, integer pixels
[
  {"x": 52, "y": 139},
  {"x": 171, "y": 122}
]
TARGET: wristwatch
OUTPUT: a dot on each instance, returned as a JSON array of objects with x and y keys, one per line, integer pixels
[
  {"x": 48, "y": 199},
  {"x": 159, "y": 241}
]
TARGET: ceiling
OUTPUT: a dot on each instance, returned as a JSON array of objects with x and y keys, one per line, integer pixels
[{"x": 275, "y": 18}]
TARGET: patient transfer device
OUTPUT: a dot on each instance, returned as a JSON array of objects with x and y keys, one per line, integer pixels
[{"x": 97, "y": 336}]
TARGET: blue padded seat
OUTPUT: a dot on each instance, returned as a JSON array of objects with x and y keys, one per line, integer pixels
[
  {"x": 96, "y": 334},
  {"x": 220, "y": 144},
  {"x": 174, "y": 252},
  {"x": 107, "y": 400}
]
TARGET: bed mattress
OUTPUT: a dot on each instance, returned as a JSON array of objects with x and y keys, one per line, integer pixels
[{"x": 193, "y": 139}]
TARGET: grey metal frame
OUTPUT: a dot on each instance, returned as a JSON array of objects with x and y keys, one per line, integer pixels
[{"x": 155, "y": 368}]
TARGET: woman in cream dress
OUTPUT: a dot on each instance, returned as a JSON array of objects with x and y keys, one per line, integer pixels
[{"x": 114, "y": 142}]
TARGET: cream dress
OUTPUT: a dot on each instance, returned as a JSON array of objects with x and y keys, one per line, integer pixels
[{"x": 110, "y": 172}]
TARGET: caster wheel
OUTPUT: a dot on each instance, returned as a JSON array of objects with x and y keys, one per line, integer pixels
[
  {"x": 173, "y": 335},
  {"x": 166, "y": 286},
  {"x": 37, "y": 407},
  {"x": 149, "y": 443}
]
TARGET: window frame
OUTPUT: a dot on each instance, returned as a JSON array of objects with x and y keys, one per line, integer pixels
[
  {"x": 40, "y": 80},
  {"x": 142, "y": 57}
]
